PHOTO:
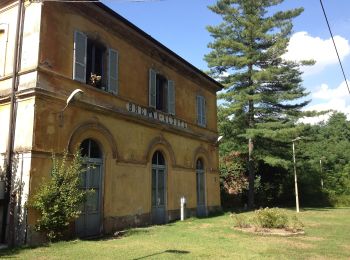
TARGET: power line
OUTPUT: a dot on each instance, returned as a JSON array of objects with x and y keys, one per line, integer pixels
[
  {"x": 66, "y": 1},
  {"x": 93, "y": 1},
  {"x": 335, "y": 46}
]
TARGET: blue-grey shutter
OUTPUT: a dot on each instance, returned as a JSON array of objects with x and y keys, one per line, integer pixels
[
  {"x": 204, "y": 118},
  {"x": 113, "y": 71},
  {"x": 201, "y": 111},
  {"x": 79, "y": 63},
  {"x": 198, "y": 109},
  {"x": 171, "y": 97},
  {"x": 152, "y": 88}
]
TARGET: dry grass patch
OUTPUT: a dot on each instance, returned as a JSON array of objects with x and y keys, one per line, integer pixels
[
  {"x": 297, "y": 244},
  {"x": 205, "y": 225},
  {"x": 270, "y": 231},
  {"x": 308, "y": 238}
]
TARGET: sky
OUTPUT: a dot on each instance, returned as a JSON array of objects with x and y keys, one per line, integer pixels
[{"x": 181, "y": 26}]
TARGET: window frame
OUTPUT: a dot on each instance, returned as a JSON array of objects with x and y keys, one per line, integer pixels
[
  {"x": 169, "y": 92},
  {"x": 81, "y": 40},
  {"x": 158, "y": 167},
  {"x": 200, "y": 176}
]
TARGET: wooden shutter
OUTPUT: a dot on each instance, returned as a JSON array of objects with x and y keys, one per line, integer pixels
[
  {"x": 152, "y": 88},
  {"x": 79, "y": 63},
  {"x": 171, "y": 97},
  {"x": 198, "y": 109},
  {"x": 201, "y": 111},
  {"x": 204, "y": 116},
  {"x": 113, "y": 71}
]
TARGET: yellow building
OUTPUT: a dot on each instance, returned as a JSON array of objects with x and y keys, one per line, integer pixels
[{"x": 144, "y": 117}]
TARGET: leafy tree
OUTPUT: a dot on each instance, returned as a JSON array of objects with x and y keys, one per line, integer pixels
[
  {"x": 325, "y": 160},
  {"x": 263, "y": 94},
  {"x": 233, "y": 179},
  {"x": 58, "y": 200}
]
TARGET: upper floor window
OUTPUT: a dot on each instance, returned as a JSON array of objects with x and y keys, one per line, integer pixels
[
  {"x": 94, "y": 63},
  {"x": 201, "y": 111},
  {"x": 161, "y": 92},
  {"x": 3, "y": 43}
]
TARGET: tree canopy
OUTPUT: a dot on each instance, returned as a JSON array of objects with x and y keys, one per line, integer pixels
[{"x": 263, "y": 96}]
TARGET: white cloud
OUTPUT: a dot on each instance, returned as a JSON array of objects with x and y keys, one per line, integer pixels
[
  {"x": 337, "y": 99},
  {"x": 326, "y": 93},
  {"x": 302, "y": 46}
]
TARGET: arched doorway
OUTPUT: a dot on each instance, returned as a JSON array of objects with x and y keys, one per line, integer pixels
[
  {"x": 158, "y": 188},
  {"x": 89, "y": 222},
  {"x": 200, "y": 180}
]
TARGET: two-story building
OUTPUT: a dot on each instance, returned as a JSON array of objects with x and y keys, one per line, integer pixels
[{"x": 144, "y": 117}]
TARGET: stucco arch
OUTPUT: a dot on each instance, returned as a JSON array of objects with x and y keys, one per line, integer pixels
[
  {"x": 97, "y": 132},
  {"x": 160, "y": 144},
  {"x": 201, "y": 153}
]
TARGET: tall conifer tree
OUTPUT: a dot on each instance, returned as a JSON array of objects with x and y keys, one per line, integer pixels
[{"x": 263, "y": 97}]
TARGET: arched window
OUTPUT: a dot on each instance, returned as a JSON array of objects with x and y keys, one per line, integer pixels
[
  {"x": 90, "y": 149},
  {"x": 158, "y": 188},
  {"x": 158, "y": 159},
  {"x": 199, "y": 165}
]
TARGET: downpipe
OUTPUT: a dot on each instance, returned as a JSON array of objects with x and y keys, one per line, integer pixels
[{"x": 9, "y": 205}]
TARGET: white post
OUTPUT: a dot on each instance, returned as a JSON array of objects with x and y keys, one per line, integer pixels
[
  {"x": 321, "y": 173},
  {"x": 183, "y": 205},
  {"x": 295, "y": 181}
]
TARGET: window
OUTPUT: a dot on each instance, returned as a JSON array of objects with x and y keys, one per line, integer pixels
[
  {"x": 200, "y": 182},
  {"x": 201, "y": 111},
  {"x": 91, "y": 176},
  {"x": 94, "y": 63},
  {"x": 158, "y": 179},
  {"x": 161, "y": 92},
  {"x": 3, "y": 45},
  {"x": 95, "y": 57},
  {"x": 90, "y": 149}
]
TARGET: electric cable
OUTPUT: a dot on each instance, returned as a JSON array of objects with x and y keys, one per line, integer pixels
[
  {"x": 93, "y": 1},
  {"x": 335, "y": 46}
]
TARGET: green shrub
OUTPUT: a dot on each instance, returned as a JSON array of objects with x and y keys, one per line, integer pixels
[
  {"x": 241, "y": 221},
  {"x": 339, "y": 200},
  {"x": 295, "y": 224},
  {"x": 270, "y": 218},
  {"x": 58, "y": 200}
]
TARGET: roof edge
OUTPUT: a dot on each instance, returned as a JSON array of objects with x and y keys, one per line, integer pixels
[{"x": 218, "y": 85}]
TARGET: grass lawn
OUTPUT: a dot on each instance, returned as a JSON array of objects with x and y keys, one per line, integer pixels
[{"x": 327, "y": 237}]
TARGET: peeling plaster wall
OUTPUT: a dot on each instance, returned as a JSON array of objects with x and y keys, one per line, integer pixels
[
  {"x": 25, "y": 104},
  {"x": 127, "y": 139}
]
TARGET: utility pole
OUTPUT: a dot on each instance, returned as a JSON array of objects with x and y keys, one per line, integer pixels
[
  {"x": 322, "y": 159},
  {"x": 295, "y": 176},
  {"x": 8, "y": 213},
  {"x": 321, "y": 173}
]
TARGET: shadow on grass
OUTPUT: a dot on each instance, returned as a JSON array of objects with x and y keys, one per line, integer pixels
[
  {"x": 304, "y": 209},
  {"x": 12, "y": 252},
  {"x": 316, "y": 209},
  {"x": 119, "y": 234},
  {"x": 212, "y": 215},
  {"x": 237, "y": 210},
  {"x": 171, "y": 251}
]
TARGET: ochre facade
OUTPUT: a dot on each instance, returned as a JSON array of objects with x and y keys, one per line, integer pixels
[{"x": 128, "y": 132}]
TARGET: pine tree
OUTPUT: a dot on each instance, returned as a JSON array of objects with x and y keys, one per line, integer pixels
[{"x": 263, "y": 94}]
